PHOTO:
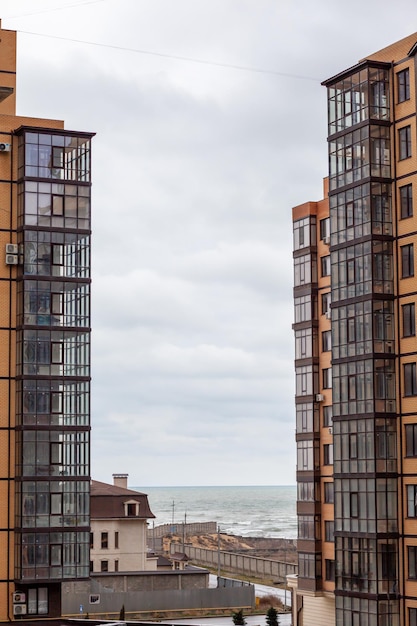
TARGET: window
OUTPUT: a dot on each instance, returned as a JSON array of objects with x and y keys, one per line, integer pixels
[
  {"x": 326, "y": 340},
  {"x": 116, "y": 539},
  {"x": 116, "y": 566},
  {"x": 404, "y": 140},
  {"x": 410, "y": 381},
  {"x": 329, "y": 531},
  {"x": 411, "y": 500},
  {"x": 407, "y": 260},
  {"x": 406, "y": 201},
  {"x": 412, "y": 561},
  {"x": 91, "y": 566},
  {"x": 327, "y": 415},
  {"x": 403, "y": 85},
  {"x": 91, "y": 541},
  {"x": 409, "y": 319},
  {"x": 325, "y": 265},
  {"x": 104, "y": 541},
  {"x": 325, "y": 229},
  {"x": 328, "y": 454},
  {"x": 411, "y": 439},
  {"x": 329, "y": 493},
  {"x": 325, "y": 302},
  {"x": 330, "y": 569},
  {"x": 412, "y": 616},
  {"x": 131, "y": 509},
  {"x": 354, "y": 504},
  {"x": 327, "y": 378},
  {"x": 104, "y": 566}
]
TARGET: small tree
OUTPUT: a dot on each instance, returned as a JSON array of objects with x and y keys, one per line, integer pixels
[
  {"x": 272, "y": 617},
  {"x": 238, "y": 618}
]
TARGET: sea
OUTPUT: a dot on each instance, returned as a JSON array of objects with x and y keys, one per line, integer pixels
[{"x": 263, "y": 511}]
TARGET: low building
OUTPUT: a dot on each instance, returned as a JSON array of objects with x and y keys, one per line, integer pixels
[{"x": 119, "y": 519}]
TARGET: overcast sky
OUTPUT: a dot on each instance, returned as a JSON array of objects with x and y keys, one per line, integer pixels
[{"x": 196, "y": 166}]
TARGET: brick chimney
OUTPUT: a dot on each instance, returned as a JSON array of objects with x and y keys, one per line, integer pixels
[{"x": 120, "y": 480}]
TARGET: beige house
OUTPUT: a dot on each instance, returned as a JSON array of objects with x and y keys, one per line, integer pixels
[{"x": 118, "y": 528}]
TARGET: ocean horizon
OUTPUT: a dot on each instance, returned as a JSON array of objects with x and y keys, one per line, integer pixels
[{"x": 247, "y": 511}]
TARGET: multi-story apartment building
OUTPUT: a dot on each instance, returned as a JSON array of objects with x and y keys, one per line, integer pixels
[
  {"x": 355, "y": 296},
  {"x": 44, "y": 354}
]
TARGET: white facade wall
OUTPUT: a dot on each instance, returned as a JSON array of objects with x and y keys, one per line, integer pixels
[{"x": 132, "y": 548}]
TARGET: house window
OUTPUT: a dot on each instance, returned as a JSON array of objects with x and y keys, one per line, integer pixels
[
  {"x": 330, "y": 569},
  {"x": 104, "y": 541},
  {"x": 329, "y": 493},
  {"x": 409, "y": 319},
  {"x": 325, "y": 265},
  {"x": 410, "y": 381},
  {"x": 412, "y": 616},
  {"x": 411, "y": 439},
  {"x": 326, "y": 340},
  {"x": 131, "y": 509},
  {"x": 406, "y": 201},
  {"x": 404, "y": 140},
  {"x": 329, "y": 531},
  {"x": 403, "y": 85},
  {"x": 104, "y": 566},
  {"x": 327, "y": 378},
  {"x": 411, "y": 500},
  {"x": 116, "y": 566},
  {"x": 325, "y": 228},
  {"x": 116, "y": 539},
  {"x": 325, "y": 302},
  {"x": 407, "y": 260},
  {"x": 327, "y": 415},
  {"x": 412, "y": 562},
  {"x": 328, "y": 454},
  {"x": 91, "y": 566},
  {"x": 38, "y": 601},
  {"x": 91, "y": 541}
]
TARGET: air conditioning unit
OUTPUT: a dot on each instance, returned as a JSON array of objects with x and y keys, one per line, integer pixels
[
  {"x": 19, "y": 597},
  {"x": 12, "y": 259},
  {"x": 5, "y": 147},
  {"x": 328, "y": 314},
  {"x": 326, "y": 240},
  {"x": 12, "y": 248},
  {"x": 319, "y": 397},
  {"x": 19, "y": 609}
]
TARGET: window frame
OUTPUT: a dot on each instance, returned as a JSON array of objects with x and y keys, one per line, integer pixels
[
  {"x": 408, "y": 313},
  {"x": 410, "y": 379},
  {"x": 406, "y": 201},
  {"x": 403, "y": 85},
  {"x": 410, "y": 440},
  {"x": 407, "y": 260},
  {"x": 404, "y": 143}
]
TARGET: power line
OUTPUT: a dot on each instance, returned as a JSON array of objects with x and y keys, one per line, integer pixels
[{"x": 177, "y": 57}]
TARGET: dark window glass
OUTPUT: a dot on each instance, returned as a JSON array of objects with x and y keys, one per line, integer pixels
[
  {"x": 104, "y": 566},
  {"x": 328, "y": 454},
  {"x": 410, "y": 382},
  {"x": 406, "y": 201},
  {"x": 403, "y": 85},
  {"x": 407, "y": 260},
  {"x": 389, "y": 566},
  {"x": 412, "y": 561},
  {"x": 104, "y": 540},
  {"x": 411, "y": 439},
  {"x": 330, "y": 569},
  {"x": 329, "y": 530},
  {"x": 354, "y": 505},
  {"x": 412, "y": 616},
  {"x": 404, "y": 139},
  {"x": 325, "y": 302},
  {"x": 116, "y": 539},
  {"x": 325, "y": 265},
  {"x": 409, "y": 319},
  {"x": 327, "y": 378},
  {"x": 329, "y": 493},
  {"x": 327, "y": 415},
  {"x": 91, "y": 541},
  {"x": 411, "y": 500},
  {"x": 116, "y": 566},
  {"x": 131, "y": 509},
  {"x": 326, "y": 340}
]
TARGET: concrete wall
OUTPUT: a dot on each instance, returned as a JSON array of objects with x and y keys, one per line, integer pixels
[
  {"x": 237, "y": 563},
  {"x": 178, "y": 529},
  {"x": 149, "y": 593}
]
